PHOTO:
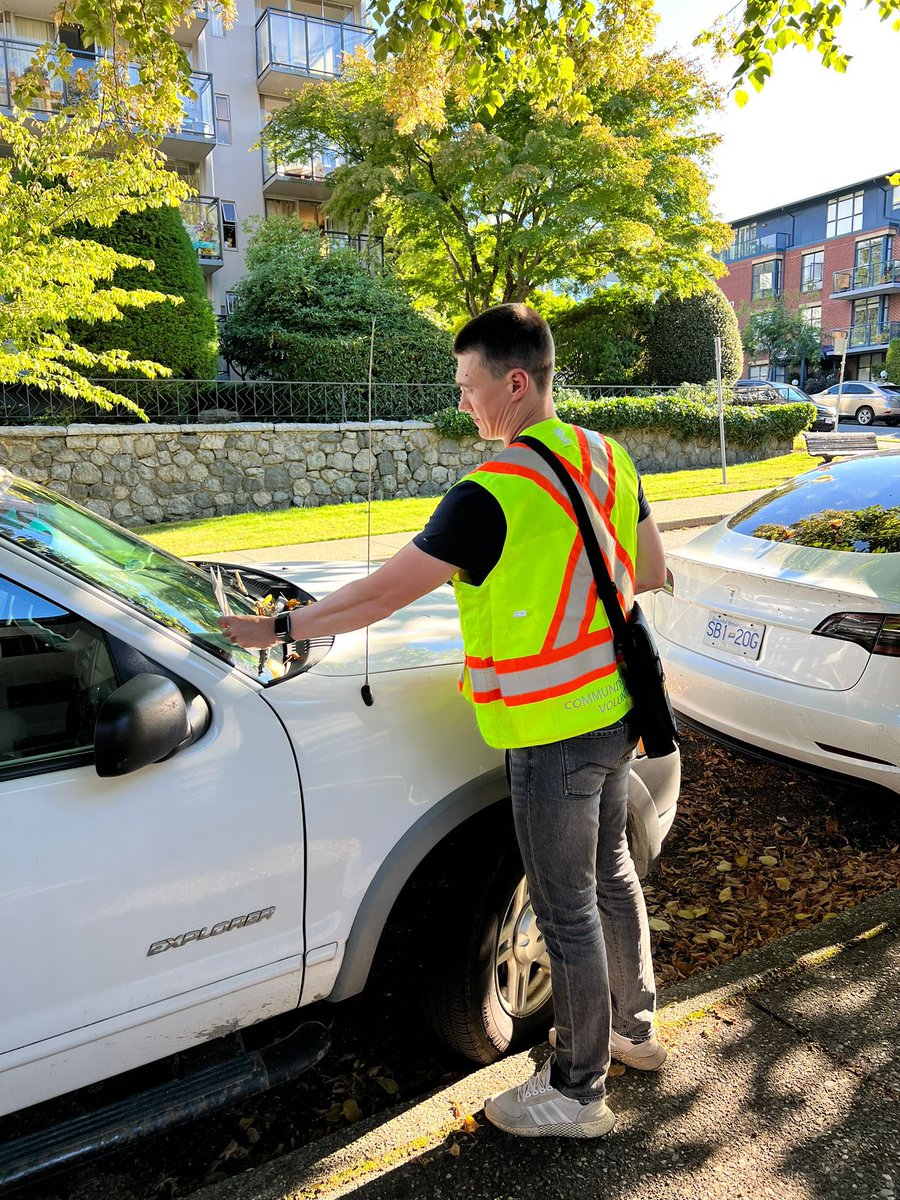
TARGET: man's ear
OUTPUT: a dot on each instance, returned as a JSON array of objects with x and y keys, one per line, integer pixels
[{"x": 519, "y": 382}]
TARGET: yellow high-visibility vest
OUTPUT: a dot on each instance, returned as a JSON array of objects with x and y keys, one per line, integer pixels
[{"x": 539, "y": 659}]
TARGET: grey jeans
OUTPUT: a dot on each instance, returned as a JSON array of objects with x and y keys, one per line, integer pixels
[{"x": 569, "y": 803}]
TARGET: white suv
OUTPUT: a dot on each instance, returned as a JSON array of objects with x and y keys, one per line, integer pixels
[{"x": 195, "y": 840}]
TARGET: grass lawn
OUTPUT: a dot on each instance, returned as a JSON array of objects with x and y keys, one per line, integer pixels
[{"x": 251, "y": 531}]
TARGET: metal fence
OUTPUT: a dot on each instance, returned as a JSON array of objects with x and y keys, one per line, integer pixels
[{"x": 188, "y": 401}]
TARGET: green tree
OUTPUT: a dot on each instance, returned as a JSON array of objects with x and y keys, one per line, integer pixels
[
  {"x": 483, "y": 208},
  {"x": 681, "y": 342},
  {"x": 93, "y": 157},
  {"x": 184, "y": 339},
  {"x": 892, "y": 360},
  {"x": 604, "y": 339},
  {"x": 782, "y": 332},
  {"x": 304, "y": 311}
]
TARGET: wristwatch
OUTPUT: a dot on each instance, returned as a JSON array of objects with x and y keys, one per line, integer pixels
[{"x": 283, "y": 626}]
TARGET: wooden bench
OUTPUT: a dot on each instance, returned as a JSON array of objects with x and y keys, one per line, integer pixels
[{"x": 834, "y": 445}]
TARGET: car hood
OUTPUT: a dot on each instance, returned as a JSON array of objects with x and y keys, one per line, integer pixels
[{"x": 425, "y": 633}]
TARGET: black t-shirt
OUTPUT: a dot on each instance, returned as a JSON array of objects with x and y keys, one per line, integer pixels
[{"x": 468, "y": 529}]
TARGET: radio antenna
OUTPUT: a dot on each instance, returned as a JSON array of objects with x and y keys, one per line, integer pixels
[{"x": 366, "y": 690}]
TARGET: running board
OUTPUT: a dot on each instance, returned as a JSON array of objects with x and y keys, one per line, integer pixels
[{"x": 156, "y": 1110}]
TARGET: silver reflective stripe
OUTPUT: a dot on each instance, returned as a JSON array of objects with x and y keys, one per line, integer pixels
[
  {"x": 540, "y": 678},
  {"x": 576, "y": 606}
]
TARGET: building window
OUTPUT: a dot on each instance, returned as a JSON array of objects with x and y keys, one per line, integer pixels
[
  {"x": 812, "y": 315},
  {"x": 229, "y": 224},
  {"x": 870, "y": 366},
  {"x": 765, "y": 279},
  {"x": 896, "y": 202},
  {"x": 216, "y": 25},
  {"x": 744, "y": 236},
  {"x": 811, "y": 271},
  {"x": 758, "y": 371},
  {"x": 845, "y": 214},
  {"x": 230, "y": 301},
  {"x": 281, "y": 208},
  {"x": 188, "y": 171},
  {"x": 223, "y": 120}
]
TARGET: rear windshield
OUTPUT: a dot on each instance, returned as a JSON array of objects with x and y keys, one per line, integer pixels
[{"x": 852, "y": 505}]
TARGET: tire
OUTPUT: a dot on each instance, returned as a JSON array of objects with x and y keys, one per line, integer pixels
[
  {"x": 865, "y": 415},
  {"x": 487, "y": 981}
]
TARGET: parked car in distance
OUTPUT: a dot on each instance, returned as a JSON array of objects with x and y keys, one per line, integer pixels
[
  {"x": 866, "y": 402},
  {"x": 779, "y": 627},
  {"x": 197, "y": 837},
  {"x": 767, "y": 391}
]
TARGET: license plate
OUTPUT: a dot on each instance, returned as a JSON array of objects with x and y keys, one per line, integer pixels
[{"x": 737, "y": 637}]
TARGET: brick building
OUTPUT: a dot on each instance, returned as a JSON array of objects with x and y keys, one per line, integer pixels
[{"x": 837, "y": 258}]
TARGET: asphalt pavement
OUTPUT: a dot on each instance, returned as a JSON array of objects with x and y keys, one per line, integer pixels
[{"x": 782, "y": 1083}]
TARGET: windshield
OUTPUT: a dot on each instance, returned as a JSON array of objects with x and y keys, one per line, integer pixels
[
  {"x": 164, "y": 587},
  {"x": 852, "y": 505}
]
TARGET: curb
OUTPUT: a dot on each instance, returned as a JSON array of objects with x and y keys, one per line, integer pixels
[
  {"x": 691, "y": 522},
  {"x": 360, "y": 1154}
]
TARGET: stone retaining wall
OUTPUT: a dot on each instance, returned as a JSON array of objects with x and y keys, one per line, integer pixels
[{"x": 144, "y": 474}]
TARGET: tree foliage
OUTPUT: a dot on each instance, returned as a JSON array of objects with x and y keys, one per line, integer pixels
[
  {"x": 782, "y": 332},
  {"x": 184, "y": 338},
  {"x": 482, "y": 206},
  {"x": 304, "y": 311},
  {"x": 604, "y": 339},
  {"x": 82, "y": 147},
  {"x": 892, "y": 360},
  {"x": 765, "y": 27},
  {"x": 681, "y": 343}
]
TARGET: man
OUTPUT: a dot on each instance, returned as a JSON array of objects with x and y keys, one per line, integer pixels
[{"x": 542, "y": 675}]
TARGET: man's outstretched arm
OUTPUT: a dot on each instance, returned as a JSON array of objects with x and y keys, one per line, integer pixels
[{"x": 411, "y": 573}]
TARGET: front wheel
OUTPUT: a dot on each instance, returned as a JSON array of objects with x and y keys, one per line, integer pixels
[
  {"x": 865, "y": 415},
  {"x": 487, "y": 986}
]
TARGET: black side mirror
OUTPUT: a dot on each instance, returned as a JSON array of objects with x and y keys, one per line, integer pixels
[{"x": 141, "y": 722}]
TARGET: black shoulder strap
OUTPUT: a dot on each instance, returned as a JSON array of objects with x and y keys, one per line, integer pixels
[{"x": 606, "y": 589}]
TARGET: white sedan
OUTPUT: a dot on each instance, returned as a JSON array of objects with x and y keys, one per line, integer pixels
[{"x": 780, "y": 626}]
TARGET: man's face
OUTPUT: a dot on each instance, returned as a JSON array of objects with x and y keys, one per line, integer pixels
[{"x": 490, "y": 401}]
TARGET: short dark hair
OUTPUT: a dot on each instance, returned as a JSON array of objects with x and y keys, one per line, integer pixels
[{"x": 508, "y": 336}]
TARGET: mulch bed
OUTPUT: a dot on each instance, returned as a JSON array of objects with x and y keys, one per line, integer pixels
[{"x": 756, "y": 852}]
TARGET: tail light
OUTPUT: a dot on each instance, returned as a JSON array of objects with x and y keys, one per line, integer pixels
[{"x": 876, "y": 632}]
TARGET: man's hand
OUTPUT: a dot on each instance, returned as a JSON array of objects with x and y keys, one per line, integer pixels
[{"x": 254, "y": 633}]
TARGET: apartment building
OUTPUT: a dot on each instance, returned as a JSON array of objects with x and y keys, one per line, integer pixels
[
  {"x": 239, "y": 76},
  {"x": 835, "y": 256}
]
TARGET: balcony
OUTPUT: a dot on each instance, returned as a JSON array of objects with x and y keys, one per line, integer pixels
[
  {"x": 304, "y": 178},
  {"x": 196, "y": 136},
  {"x": 369, "y": 248},
  {"x": 871, "y": 279},
  {"x": 771, "y": 243},
  {"x": 63, "y": 86},
  {"x": 872, "y": 335},
  {"x": 202, "y": 218},
  {"x": 195, "y": 24},
  {"x": 291, "y": 46}
]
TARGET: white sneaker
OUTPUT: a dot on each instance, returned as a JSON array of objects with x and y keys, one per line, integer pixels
[
  {"x": 643, "y": 1056},
  {"x": 536, "y": 1109}
]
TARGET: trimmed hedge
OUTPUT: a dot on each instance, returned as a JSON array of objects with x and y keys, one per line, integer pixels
[
  {"x": 685, "y": 420},
  {"x": 680, "y": 343},
  {"x": 182, "y": 337}
]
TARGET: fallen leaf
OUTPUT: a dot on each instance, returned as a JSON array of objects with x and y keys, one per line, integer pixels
[
  {"x": 351, "y": 1110},
  {"x": 768, "y": 861},
  {"x": 391, "y": 1086},
  {"x": 470, "y": 1125},
  {"x": 783, "y": 883},
  {"x": 717, "y": 935},
  {"x": 725, "y": 893},
  {"x": 616, "y": 1069},
  {"x": 741, "y": 860},
  {"x": 723, "y": 865},
  {"x": 658, "y": 925},
  {"x": 454, "y": 1150}
]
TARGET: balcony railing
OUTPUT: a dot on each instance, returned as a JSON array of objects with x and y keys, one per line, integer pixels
[
  {"x": 311, "y": 170},
  {"x": 202, "y": 219},
  {"x": 62, "y": 87},
  {"x": 771, "y": 243},
  {"x": 873, "y": 333},
  {"x": 306, "y": 45},
  {"x": 369, "y": 248},
  {"x": 869, "y": 275}
]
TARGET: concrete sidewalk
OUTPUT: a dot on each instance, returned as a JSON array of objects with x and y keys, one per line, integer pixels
[
  {"x": 669, "y": 514},
  {"x": 783, "y": 1083}
]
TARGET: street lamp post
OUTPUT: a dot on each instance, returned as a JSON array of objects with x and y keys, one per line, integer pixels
[{"x": 840, "y": 338}]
